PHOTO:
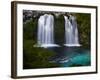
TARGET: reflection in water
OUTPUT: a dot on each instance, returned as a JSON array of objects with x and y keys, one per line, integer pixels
[{"x": 70, "y": 56}]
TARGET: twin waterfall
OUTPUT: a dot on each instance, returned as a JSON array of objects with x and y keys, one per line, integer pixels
[{"x": 45, "y": 34}]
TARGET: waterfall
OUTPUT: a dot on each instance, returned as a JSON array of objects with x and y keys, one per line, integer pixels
[
  {"x": 45, "y": 34},
  {"x": 71, "y": 31}
]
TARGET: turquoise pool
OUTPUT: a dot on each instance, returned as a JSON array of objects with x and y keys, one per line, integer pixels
[{"x": 71, "y": 56}]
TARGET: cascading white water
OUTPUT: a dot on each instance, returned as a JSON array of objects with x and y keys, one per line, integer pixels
[
  {"x": 71, "y": 32},
  {"x": 46, "y": 31}
]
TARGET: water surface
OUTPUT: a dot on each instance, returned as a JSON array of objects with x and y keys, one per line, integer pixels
[{"x": 71, "y": 56}]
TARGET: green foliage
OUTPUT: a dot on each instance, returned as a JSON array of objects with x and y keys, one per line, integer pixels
[
  {"x": 30, "y": 29},
  {"x": 84, "y": 28},
  {"x": 59, "y": 30}
]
